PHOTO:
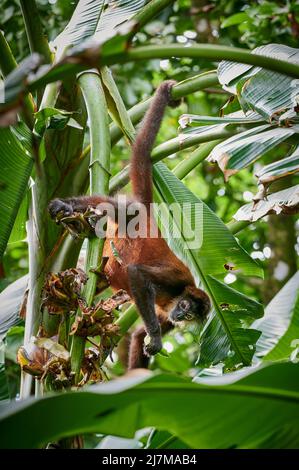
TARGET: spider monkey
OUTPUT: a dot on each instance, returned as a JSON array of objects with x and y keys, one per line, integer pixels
[{"x": 160, "y": 284}]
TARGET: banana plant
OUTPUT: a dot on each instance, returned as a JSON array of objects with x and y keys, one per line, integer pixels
[{"x": 48, "y": 112}]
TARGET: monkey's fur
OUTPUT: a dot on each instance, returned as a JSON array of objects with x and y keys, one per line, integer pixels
[{"x": 161, "y": 286}]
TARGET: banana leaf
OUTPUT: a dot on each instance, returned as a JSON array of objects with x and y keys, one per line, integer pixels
[
  {"x": 16, "y": 166},
  {"x": 210, "y": 262},
  {"x": 245, "y": 412},
  {"x": 280, "y": 325},
  {"x": 281, "y": 202}
]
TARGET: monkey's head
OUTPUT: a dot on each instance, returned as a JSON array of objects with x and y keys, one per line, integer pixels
[{"x": 193, "y": 305}]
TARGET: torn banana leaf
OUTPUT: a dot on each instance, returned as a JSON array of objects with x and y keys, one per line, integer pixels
[
  {"x": 280, "y": 325},
  {"x": 276, "y": 170},
  {"x": 282, "y": 202},
  {"x": 187, "y": 120},
  {"x": 274, "y": 100},
  {"x": 226, "y": 338},
  {"x": 96, "y": 20},
  {"x": 241, "y": 150},
  {"x": 229, "y": 73}
]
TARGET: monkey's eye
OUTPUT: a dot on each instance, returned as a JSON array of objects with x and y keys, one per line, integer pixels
[
  {"x": 184, "y": 305},
  {"x": 189, "y": 316}
]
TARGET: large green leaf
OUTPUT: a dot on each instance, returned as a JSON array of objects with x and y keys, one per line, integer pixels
[
  {"x": 16, "y": 165},
  {"x": 280, "y": 325},
  {"x": 241, "y": 150},
  {"x": 210, "y": 262},
  {"x": 270, "y": 101},
  {"x": 19, "y": 228},
  {"x": 205, "y": 415},
  {"x": 276, "y": 170},
  {"x": 96, "y": 20},
  {"x": 11, "y": 300},
  {"x": 225, "y": 339},
  {"x": 230, "y": 73},
  {"x": 282, "y": 202}
]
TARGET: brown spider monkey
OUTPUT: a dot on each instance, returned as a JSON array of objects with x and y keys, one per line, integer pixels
[{"x": 161, "y": 286}]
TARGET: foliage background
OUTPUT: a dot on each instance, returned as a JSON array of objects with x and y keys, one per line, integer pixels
[{"x": 273, "y": 241}]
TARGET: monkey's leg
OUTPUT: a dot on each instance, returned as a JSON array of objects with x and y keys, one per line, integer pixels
[
  {"x": 143, "y": 293},
  {"x": 137, "y": 358}
]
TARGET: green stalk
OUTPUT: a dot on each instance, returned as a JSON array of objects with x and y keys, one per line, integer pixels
[
  {"x": 7, "y": 60},
  {"x": 69, "y": 66},
  {"x": 205, "y": 51},
  {"x": 236, "y": 226},
  {"x": 124, "y": 323},
  {"x": 196, "y": 157},
  {"x": 172, "y": 146},
  {"x": 34, "y": 29},
  {"x": 36, "y": 231},
  {"x": 94, "y": 97}
]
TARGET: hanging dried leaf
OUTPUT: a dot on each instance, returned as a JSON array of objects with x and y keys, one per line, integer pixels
[
  {"x": 62, "y": 291},
  {"x": 282, "y": 202}
]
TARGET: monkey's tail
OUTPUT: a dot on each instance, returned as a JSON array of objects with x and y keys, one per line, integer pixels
[{"x": 141, "y": 165}]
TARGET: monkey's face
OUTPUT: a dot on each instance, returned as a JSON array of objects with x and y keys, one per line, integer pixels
[{"x": 189, "y": 308}]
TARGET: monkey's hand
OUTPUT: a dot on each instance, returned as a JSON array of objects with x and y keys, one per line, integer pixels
[
  {"x": 58, "y": 208},
  {"x": 153, "y": 346}
]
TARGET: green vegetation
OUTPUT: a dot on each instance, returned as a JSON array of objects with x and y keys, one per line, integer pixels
[{"x": 76, "y": 79}]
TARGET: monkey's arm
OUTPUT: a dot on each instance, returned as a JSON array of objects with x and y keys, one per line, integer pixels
[
  {"x": 70, "y": 205},
  {"x": 143, "y": 293},
  {"x": 137, "y": 358}
]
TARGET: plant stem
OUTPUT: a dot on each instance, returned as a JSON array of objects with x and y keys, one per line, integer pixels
[
  {"x": 69, "y": 67},
  {"x": 7, "y": 60},
  {"x": 34, "y": 29},
  {"x": 124, "y": 322},
  {"x": 94, "y": 97},
  {"x": 196, "y": 157},
  {"x": 36, "y": 230},
  {"x": 236, "y": 226},
  {"x": 127, "y": 319},
  {"x": 205, "y": 51}
]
